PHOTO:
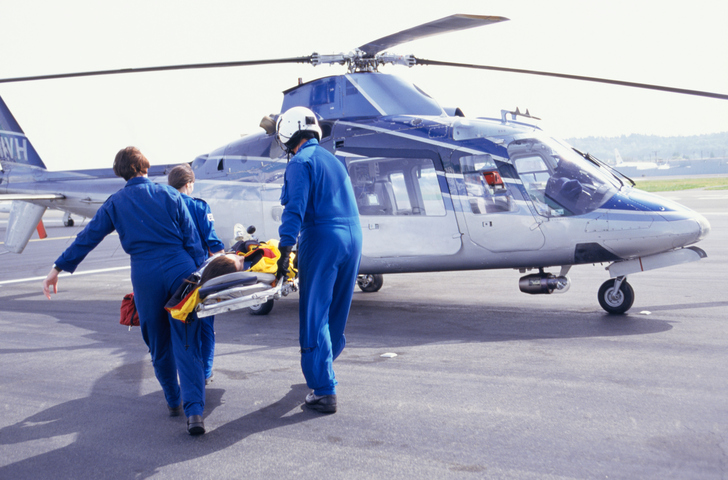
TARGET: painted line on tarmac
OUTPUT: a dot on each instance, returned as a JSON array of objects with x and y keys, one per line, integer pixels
[
  {"x": 57, "y": 238},
  {"x": 87, "y": 272}
]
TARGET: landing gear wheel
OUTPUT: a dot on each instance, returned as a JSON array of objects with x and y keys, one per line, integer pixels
[
  {"x": 67, "y": 220},
  {"x": 616, "y": 302},
  {"x": 370, "y": 283},
  {"x": 262, "y": 309}
]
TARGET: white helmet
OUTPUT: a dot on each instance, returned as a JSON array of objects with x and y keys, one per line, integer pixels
[{"x": 296, "y": 119}]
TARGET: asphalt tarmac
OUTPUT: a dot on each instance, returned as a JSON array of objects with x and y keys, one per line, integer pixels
[{"x": 487, "y": 382}]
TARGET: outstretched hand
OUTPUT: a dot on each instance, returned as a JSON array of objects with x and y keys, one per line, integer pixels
[{"x": 51, "y": 281}]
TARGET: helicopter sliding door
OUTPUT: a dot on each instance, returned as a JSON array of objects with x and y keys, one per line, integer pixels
[
  {"x": 401, "y": 205},
  {"x": 496, "y": 218}
]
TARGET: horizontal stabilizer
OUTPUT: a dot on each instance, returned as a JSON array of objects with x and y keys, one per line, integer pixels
[{"x": 30, "y": 196}]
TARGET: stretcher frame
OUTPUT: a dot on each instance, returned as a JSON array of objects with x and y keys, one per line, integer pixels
[{"x": 238, "y": 297}]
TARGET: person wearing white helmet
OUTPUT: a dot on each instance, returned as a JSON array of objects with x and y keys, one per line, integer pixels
[{"x": 320, "y": 206}]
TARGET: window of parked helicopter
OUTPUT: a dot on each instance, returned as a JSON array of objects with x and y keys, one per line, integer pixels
[
  {"x": 535, "y": 174},
  {"x": 429, "y": 191},
  {"x": 401, "y": 195},
  {"x": 396, "y": 186},
  {"x": 558, "y": 180},
  {"x": 483, "y": 197}
]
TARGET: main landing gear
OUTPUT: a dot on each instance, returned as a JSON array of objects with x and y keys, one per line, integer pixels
[
  {"x": 370, "y": 283},
  {"x": 616, "y": 296},
  {"x": 262, "y": 309}
]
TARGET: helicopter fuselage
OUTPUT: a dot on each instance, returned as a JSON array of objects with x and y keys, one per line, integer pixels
[{"x": 426, "y": 205}]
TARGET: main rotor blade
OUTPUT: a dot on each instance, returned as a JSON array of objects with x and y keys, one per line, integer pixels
[
  {"x": 721, "y": 96},
  {"x": 159, "y": 69},
  {"x": 443, "y": 25}
]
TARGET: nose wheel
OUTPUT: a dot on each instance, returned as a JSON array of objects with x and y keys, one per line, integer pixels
[{"x": 616, "y": 296}]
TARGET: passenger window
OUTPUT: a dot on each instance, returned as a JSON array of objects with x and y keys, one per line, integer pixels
[
  {"x": 430, "y": 190},
  {"x": 401, "y": 197},
  {"x": 396, "y": 186}
]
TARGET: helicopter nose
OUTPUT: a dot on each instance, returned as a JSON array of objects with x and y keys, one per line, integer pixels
[
  {"x": 704, "y": 226},
  {"x": 681, "y": 225},
  {"x": 688, "y": 230}
]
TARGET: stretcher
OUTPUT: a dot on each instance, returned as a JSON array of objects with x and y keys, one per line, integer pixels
[{"x": 238, "y": 290}]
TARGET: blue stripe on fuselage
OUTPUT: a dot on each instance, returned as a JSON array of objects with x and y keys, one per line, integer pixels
[{"x": 639, "y": 201}]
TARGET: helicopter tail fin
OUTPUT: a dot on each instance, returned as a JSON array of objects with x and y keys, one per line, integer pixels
[{"x": 14, "y": 145}]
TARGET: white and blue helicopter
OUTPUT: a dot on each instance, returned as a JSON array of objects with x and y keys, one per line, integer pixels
[{"x": 436, "y": 191}]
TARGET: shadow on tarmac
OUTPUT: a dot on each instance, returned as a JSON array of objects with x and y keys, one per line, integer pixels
[
  {"x": 135, "y": 433},
  {"x": 116, "y": 431},
  {"x": 405, "y": 324}
]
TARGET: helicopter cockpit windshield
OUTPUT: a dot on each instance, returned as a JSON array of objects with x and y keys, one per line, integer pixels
[{"x": 558, "y": 180}]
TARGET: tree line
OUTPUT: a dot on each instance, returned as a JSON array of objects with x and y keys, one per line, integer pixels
[{"x": 636, "y": 147}]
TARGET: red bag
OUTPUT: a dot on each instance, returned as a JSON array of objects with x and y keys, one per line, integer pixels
[{"x": 129, "y": 314}]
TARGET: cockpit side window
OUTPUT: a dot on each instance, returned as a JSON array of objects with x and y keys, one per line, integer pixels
[
  {"x": 535, "y": 175},
  {"x": 557, "y": 180}
]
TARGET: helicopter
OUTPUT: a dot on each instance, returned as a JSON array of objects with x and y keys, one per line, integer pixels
[{"x": 436, "y": 190}]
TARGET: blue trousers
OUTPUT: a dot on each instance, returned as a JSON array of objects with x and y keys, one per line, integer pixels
[
  {"x": 175, "y": 346},
  {"x": 328, "y": 263},
  {"x": 208, "y": 343}
]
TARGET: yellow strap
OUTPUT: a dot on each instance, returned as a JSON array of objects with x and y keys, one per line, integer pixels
[{"x": 188, "y": 307}]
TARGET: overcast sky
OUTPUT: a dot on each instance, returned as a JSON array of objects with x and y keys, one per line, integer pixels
[{"x": 175, "y": 116}]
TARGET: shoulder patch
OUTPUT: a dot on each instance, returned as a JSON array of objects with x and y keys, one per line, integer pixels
[{"x": 209, "y": 217}]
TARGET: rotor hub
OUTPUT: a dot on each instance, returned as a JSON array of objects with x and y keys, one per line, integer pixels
[{"x": 360, "y": 61}]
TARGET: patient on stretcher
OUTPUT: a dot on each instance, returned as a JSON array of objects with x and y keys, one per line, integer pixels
[
  {"x": 222, "y": 265},
  {"x": 249, "y": 268}
]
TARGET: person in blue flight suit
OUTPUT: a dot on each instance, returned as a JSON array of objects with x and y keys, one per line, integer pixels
[
  {"x": 182, "y": 178},
  {"x": 156, "y": 230},
  {"x": 320, "y": 205}
]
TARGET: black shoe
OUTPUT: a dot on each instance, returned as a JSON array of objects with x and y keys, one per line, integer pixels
[
  {"x": 195, "y": 425},
  {"x": 322, "y": 403},
  {"x": 176, "y": 411}
]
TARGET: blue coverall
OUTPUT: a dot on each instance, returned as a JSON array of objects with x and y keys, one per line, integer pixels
[
  {"x": 157, "y": 231},
  {"x": 320, "y": 204},
  {"x": 204, "y": 221}
]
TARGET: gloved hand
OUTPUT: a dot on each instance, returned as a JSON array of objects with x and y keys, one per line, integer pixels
[{"x": 284, "y": 261}]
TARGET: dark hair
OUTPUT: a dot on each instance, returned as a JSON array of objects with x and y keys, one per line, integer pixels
[
  {"x": 129, "y": 163},
  {"x": 221, "y": 265},
  {"x": 180, "y": 176},
  {"x": 300, "y": 135}
]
